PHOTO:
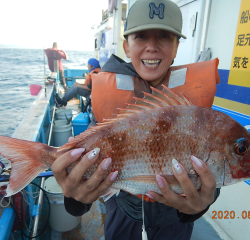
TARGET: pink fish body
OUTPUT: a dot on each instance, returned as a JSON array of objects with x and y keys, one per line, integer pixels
[{"x": 142, "y": 141}]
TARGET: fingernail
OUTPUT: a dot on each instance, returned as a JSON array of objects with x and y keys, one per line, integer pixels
[
  {"x": 106, "y": 164},
  {"x": 176, "y": 166},
  {"x": 159, "y": 181},
  {"x": 93, "y": 153},
  {"x": 197, "y": 162},
  {"x": 77, "y": 151},
  {"x": 114, "y": 175},
  {"x": 150, "y": 196}
]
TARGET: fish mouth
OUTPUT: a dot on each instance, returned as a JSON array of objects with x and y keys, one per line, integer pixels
[{"x": 152, "y": 63}]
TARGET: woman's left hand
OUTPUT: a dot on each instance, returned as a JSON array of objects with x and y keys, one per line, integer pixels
[{"x": 194, "y": 201}]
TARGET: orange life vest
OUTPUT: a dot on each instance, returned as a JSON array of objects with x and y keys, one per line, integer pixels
[
  {"x": 197, "y": 81},
  {"x": 88, "y": 78}
]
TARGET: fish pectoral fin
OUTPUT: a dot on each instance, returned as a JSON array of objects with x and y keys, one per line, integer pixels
[{"x": 109, "y": 193}]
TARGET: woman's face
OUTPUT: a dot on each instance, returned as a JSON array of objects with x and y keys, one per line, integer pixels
[{"x": 151, "y": 53}]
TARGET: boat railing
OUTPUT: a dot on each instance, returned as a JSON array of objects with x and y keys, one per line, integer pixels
[
  {"x": 36, "y": 126},
  {"x": 40, "y": 196}
]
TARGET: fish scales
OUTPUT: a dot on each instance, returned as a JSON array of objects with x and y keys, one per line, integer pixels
[
  {"x": 144, "y": 144},
  {"x": 142, "y": 141}
]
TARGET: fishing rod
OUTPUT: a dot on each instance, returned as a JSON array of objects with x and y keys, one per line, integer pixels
[{"x": 44, "y": 72}]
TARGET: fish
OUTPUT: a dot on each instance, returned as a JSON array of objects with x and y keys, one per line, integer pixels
[{"x": 142, "y": 139}]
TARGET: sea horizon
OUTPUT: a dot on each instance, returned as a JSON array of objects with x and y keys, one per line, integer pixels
[{"x": 18, "y": 69}]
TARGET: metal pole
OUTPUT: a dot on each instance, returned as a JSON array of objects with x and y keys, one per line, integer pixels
[
  {"x": 39, "y": 203},
  {"x": 45, "y": 90},
  {"x": 205, "y": 24},
  {"x": 199, "y": 25},
  {"x": 40, "y": 197},
  {"x": 117, "y": 27},
  {"x": 51, "y": 126}
]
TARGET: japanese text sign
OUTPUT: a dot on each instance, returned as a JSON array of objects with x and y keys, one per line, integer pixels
[{"x": 240, "y": 64}]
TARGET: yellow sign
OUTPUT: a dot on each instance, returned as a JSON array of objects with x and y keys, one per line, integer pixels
[{"x": 240, "y": 64}]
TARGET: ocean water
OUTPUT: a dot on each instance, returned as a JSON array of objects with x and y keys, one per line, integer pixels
[{"x": 18, "y": 69}]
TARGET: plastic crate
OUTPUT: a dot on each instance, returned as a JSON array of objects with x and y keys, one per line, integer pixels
[
  {"x": 69, "y": 73},
  {"x": 80, "y": 123}
]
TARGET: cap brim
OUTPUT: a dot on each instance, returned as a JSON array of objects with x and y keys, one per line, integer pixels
[{"x": 153, "y": 26}]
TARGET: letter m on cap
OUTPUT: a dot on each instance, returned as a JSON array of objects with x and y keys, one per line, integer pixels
[{"x": 156, "y": 11}]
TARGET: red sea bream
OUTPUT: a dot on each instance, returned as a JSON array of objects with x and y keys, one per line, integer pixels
[{"x": 142, "y": 141}]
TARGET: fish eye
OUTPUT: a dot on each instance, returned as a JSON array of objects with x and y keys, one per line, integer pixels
[
  {"x": 240, "y": 150},
  {"x": 241, "y": 146}
]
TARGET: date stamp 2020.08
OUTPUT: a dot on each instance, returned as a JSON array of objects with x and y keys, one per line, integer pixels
[{"x": 230, "y": 215}]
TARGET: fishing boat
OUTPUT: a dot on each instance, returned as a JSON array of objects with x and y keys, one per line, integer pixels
[{"x": 213, "y": 29}]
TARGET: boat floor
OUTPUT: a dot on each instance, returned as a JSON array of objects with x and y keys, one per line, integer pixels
[
  {"x": 73, "y": 104},
  {"x": 91, "y": 227}
]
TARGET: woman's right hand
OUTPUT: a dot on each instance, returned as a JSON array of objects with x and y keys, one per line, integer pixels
[{"x": 72, "y": 184}]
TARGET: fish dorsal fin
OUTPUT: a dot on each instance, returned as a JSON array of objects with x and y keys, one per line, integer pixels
[
  {"x": 123, "y": 115},
  {"x": 186, "y": 100},
  {"x": 150, "y": 101},
  {"x": 74, "y": 142},
  {"x": 128, "y": 110},
  {"x": 163, "y": 96},
  {"x": 136, "y": 107},
  {"x": 178, "y": 99},
  {"x": 105, "y": 120},
  {"x": 156, "y": 100},
  {"x": 146, "y": 103},
  {"x": 124, "y": 112}
]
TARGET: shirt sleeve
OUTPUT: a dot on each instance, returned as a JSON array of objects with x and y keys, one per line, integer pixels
[
  {"x": 76, "y": 208},
  {"x": 60, "y": 55}
]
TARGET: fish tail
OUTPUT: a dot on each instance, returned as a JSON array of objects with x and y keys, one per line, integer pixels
[{"x": 28, "y": 160}]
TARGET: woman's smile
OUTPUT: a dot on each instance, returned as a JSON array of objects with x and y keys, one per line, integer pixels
[{"x": 151, "y": 63}]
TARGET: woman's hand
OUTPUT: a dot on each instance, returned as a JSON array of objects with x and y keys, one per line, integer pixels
[
  {"x": 193, "y": 201},
  {"x": 72, "y": 184}
]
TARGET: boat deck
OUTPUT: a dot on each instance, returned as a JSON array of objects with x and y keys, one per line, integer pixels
[{"x": 91, "y": 227}]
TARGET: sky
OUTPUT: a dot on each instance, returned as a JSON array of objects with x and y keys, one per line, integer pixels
[{"x": 39, "y": 23}]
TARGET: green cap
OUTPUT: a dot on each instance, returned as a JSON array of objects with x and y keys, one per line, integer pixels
[{"x": 154, "y": 14}]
